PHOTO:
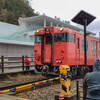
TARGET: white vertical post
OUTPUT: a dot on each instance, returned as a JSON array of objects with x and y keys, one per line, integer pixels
[
  {"x": 44, "y": 22},
  {"x": 57, "y": 24},
  {"x": 51, "y": 24}
]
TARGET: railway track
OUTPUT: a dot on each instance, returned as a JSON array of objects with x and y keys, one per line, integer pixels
[
  {"x": 16, "y": 85},
  {"x": 34, "y": 84}
]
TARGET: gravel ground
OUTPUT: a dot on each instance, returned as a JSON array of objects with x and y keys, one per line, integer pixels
[
  {"x": 20, "y": 78},
  {"x": 47, "y": 93}
]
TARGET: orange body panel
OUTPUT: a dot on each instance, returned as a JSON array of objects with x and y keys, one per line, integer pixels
[{"x": 64, "y": 53}]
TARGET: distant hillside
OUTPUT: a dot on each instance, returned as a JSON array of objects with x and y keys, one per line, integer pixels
[{"x": 11, "y": 10}]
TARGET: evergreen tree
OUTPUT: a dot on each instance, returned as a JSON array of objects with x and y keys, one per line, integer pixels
[{"x": 11, "y": 10}]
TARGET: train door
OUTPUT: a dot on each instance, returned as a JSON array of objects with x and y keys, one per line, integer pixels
[
  {"x": 77, "y": 51},
  {"x": 47, "y": 49}
]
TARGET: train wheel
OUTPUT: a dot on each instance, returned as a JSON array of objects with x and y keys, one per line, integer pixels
[
  {"x": 44, "y": 70},
  {"x": 38, "y": 68}
]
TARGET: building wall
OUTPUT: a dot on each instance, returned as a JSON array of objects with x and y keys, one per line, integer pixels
[{"x": 11, "y": 50}]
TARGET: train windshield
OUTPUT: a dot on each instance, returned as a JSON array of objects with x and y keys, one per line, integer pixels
[
  {"x": 61, "y": 37},
  {"x": 38, "y": 39}
]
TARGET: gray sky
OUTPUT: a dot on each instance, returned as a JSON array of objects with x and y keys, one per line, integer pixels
[{"x": 67, "y": 9}]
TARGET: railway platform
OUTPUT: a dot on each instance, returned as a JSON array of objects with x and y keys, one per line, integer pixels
[{"x": 8, "y": 97}]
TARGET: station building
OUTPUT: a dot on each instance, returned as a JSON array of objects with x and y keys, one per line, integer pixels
[{"x": 16, "y": 41}]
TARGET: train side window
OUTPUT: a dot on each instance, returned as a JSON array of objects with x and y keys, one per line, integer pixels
[
  {"x": 95, "y": 46},
  {"x": 77, "y": 43},
  {"x": 83, "y": 45},
  {"x": 92, "y": 46},
  {"x": 86, "y": 45},
  {"x": 67, "y": 37},
  {"x": 48, "y": 39},
  {"x": 73, "y": 38}
]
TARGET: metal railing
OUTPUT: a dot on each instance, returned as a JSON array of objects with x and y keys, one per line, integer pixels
[{"x": 14, "y": 62}]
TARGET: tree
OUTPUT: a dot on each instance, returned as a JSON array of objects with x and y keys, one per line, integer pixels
[{"x": 11, "y": 10}]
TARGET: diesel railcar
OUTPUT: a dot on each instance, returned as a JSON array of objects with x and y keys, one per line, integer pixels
[{"x": 56, "y": 46}]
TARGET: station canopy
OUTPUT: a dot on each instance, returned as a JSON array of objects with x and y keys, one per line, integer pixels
[
  {"x": 43, "y": 21},
  {"x": 27, "y": 26}
]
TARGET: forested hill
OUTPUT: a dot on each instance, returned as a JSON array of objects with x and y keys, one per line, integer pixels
[{"x": 11, "y": 10}]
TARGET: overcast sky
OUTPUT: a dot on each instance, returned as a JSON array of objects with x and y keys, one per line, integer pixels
[{"x": 66, "y": 9}]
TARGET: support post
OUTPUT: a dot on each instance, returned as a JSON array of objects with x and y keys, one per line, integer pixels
[
  {"x": 85, "y": 49},
  {"x": 23, "y": 63},
  {"x": 44, "y": 22},
  {"x": 57, "y": 24},
  {"x": 77, "y": 85},
  {"x": 2, "y": 63},
  {"x": 51, "y": 24}
]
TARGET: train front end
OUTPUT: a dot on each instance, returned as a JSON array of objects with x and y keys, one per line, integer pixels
[{"x": 48, "y": 50}]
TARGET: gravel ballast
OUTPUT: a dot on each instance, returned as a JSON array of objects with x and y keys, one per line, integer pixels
[{"x": 46, "y": 93}]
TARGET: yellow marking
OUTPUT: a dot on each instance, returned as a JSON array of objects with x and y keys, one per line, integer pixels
[
  {"x": 57, "y": 78},
  {"x": 44, "y": 81},
  {"x": 28, "y": 85},
  {"x": 50, "y": 79},
  {"x": 4, "y": 91},
  {"x": 24, "y": 87},
  {"x": 36, "y": 83}
]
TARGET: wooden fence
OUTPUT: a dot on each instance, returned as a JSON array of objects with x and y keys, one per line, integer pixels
[{"x": 5, "y": 61}]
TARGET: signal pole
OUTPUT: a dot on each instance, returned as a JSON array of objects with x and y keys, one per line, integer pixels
[
  {"x": 85, "y": 47},
  {"x": 84, "y": 19}
]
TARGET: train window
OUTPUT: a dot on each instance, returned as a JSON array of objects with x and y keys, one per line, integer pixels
[
  {"x": 61, "y": 37},
  {"x": 67, "y": 37},
  {"x": 77, "y": 43},
  {"x": 38, "y": 39},
  {"x": 95, "y": 46},
  {"x": 71, "y": 37},
  {"x": 83, "y": 45},
  {"x": 92, "y": 46},
  {"x": 48, "y": 39}
]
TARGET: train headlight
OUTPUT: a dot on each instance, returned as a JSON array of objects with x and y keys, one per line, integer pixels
[
  {"x": 37, "y": 31},
  {"x": 61, "y": 29}
]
